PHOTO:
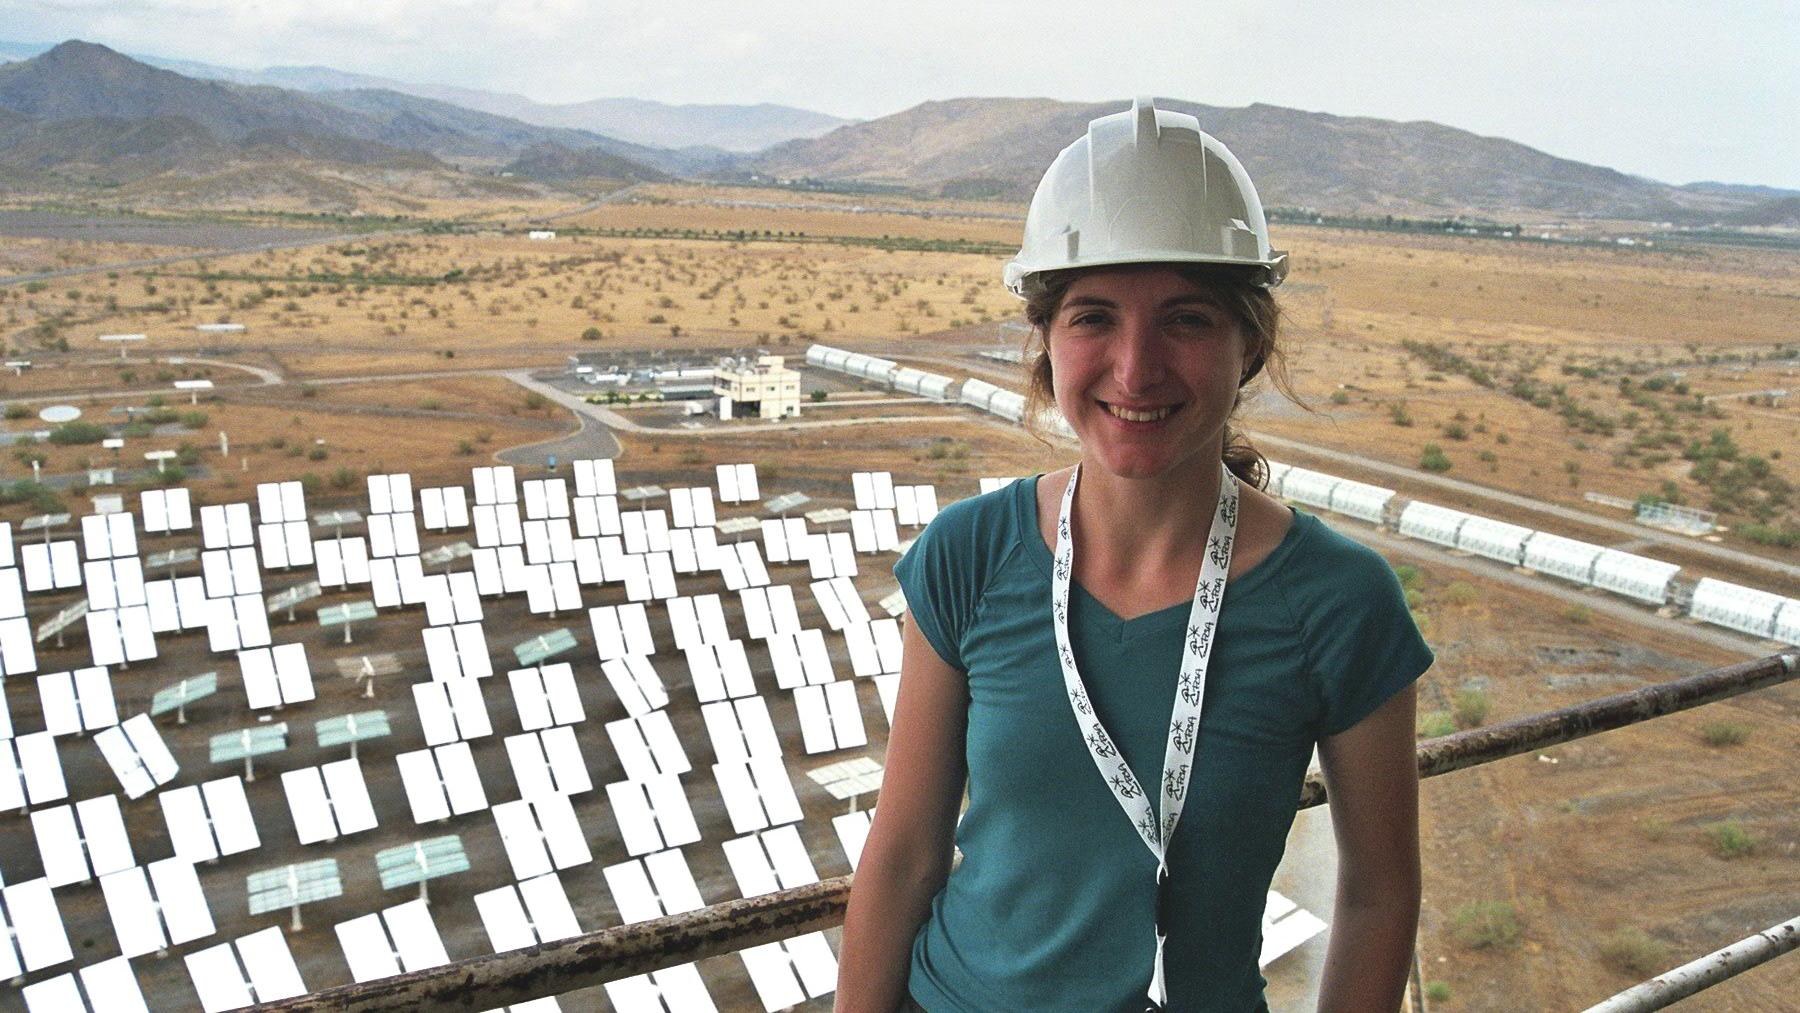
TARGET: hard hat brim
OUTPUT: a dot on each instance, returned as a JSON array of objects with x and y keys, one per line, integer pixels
[{"x": 1019, "y": 277}]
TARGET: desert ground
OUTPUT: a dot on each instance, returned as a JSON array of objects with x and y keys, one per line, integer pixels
[{"x": 1552, "y": 371}]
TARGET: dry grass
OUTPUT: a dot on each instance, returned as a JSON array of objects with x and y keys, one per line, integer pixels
[{"x": 330, "y": 440}]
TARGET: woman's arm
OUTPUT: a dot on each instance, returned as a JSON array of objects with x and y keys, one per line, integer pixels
[
  {"x": 907, "y": 856},
  {"x": 1372, "y": 772}
]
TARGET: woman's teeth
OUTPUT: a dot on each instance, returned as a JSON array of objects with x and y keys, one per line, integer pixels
[{"x": 1131, "y": 416}]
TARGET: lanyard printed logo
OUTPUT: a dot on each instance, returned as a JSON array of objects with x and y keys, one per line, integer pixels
[{"x": 1190, "y": 689}]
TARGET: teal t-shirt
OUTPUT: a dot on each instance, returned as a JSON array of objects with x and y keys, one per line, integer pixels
[{"x": 1051, "y": 908}]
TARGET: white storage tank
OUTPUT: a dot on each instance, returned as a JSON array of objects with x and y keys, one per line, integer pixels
[
  {"x": 1008, "y": 405},
  {"x": 977, "y": 393},
  {"x": 1787, "y": 622},
  {"x": 1562, "y": 557},
  {"x": 935, "y": 386},
  {"x": 1361, "y": 500},
  {"x": 1638, "y": 577},
  {"x": 1312, "y": 488},
  {"x": 1736, "y": 607},
  {"x": 1432, "y": 523},
  {"x": 1278, "y": 474},
  {"x": 1494, "y": 539}
]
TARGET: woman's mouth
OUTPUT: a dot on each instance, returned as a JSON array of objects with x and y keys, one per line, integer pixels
[{"x": 1138, "y": 414}]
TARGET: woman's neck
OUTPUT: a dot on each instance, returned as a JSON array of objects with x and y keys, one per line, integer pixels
[{"x": 1125, "y": 524}]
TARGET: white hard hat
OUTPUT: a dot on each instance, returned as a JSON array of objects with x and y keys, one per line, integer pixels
[{"x": 1145, "y": 186}]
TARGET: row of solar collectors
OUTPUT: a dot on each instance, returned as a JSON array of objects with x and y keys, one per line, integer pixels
[
  {"x": 1640, "y": 578},
  {"x": 31, "y": 771},
  {"x": 128, "y": 610}
]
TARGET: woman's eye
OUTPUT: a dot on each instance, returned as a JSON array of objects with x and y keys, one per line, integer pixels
[
  {"x": 1193, "y": 320},
  {"x": 1086, "y": 319}
]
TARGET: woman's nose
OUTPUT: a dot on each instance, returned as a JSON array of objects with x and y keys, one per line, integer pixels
[{"x": 1138, "y": 357}]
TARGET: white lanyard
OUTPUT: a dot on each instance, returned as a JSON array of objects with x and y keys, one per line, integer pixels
[{"x": 1184, "y": 721}]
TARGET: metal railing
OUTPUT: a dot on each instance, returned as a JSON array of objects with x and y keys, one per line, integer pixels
[{"x": 584, "y": 961}]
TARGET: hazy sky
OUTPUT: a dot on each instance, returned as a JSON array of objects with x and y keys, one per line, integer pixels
[{"x": 1678, "y": 91}]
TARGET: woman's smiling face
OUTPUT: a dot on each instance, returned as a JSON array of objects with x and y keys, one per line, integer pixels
[{"x": 1146, "y": 367}]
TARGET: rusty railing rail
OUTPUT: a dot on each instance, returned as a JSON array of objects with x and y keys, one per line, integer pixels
[
  {"x": 1670, "y": 987},
  {"x": 499, "y": 979}
]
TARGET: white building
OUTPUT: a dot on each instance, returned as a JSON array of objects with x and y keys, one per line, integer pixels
[{"x": 767, "y": 389}]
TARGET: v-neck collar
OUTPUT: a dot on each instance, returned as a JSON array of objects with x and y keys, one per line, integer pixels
[{"x": 1094, "y": 613}]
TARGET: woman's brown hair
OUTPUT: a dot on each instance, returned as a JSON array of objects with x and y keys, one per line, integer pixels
[{"x": 1257, "y": 314}]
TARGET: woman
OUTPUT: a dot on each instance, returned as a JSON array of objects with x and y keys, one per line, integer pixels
[{"x": 1129, "y": 662}]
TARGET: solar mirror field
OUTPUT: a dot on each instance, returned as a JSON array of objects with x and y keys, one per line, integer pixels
[{"x": 560, "y": 707}]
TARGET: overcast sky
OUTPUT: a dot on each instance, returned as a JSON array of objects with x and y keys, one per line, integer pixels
[{"x": 1671, "y": 89}]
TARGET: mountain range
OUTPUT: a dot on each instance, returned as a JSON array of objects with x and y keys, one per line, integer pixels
[{"x": 80, "y": 115}]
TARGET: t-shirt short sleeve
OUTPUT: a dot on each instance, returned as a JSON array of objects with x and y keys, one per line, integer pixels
[
  {"x": 939, "y": 577},
  {"x": 1364, "y": 643}
]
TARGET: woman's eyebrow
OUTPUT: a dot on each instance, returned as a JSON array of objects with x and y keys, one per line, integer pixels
[
  {"x": 1089, "y": 300},
  {"x": 1196, "y": 297}
]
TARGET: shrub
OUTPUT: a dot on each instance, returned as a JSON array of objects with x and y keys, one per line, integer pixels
[
  {"x": 534, "y": 400},
  {"x": 41, "y": 497},
  {"x": 17, "y": 411},
  {"x": 1632, "y": 951},
  {"x": 1654, "y": 829},
  {"x": 187, "y": 454},
  {"x": 1340, "y": 397},
  {"x": 193, "y": 419},
  {"x": 1730, "y": 839},
  {"x": 591, "y": 334},
  {"x": 1486, "y": 924},
  {"x": 1433, "y": 458},
  {"x": 1461, "y": 593},
  {"x": 1470, "y": 707},
  {"x": 1724, "y": 733},
  {"x": 1397, "y": 411},
  {"x": 1580, "y": 615},
  {"x": 1436, "y": 724},
  {"x": 1437, "y": 991},
  {"x": 1407, "y": 575},
  {"x": 465, "y": 448},
  {"x": 71, "y": 434},
  {"x": 317, "y": 454},
  {"x": 818, "y": 395},
  {"x": 343, "y": 478}
]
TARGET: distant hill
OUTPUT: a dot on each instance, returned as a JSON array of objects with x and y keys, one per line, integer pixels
[
  {"x": 727, "y": 128},
  {"x": 79, "y": 80},
  {"x": 553, "y": 162},
  {"x": 998, "y": 147},
  {"x": 83, "y": 115}
]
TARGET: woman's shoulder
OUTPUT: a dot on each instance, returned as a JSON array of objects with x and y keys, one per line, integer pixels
[
  {"x": 1325, "y": 561},
  {"x": 990, "y": 516}
]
